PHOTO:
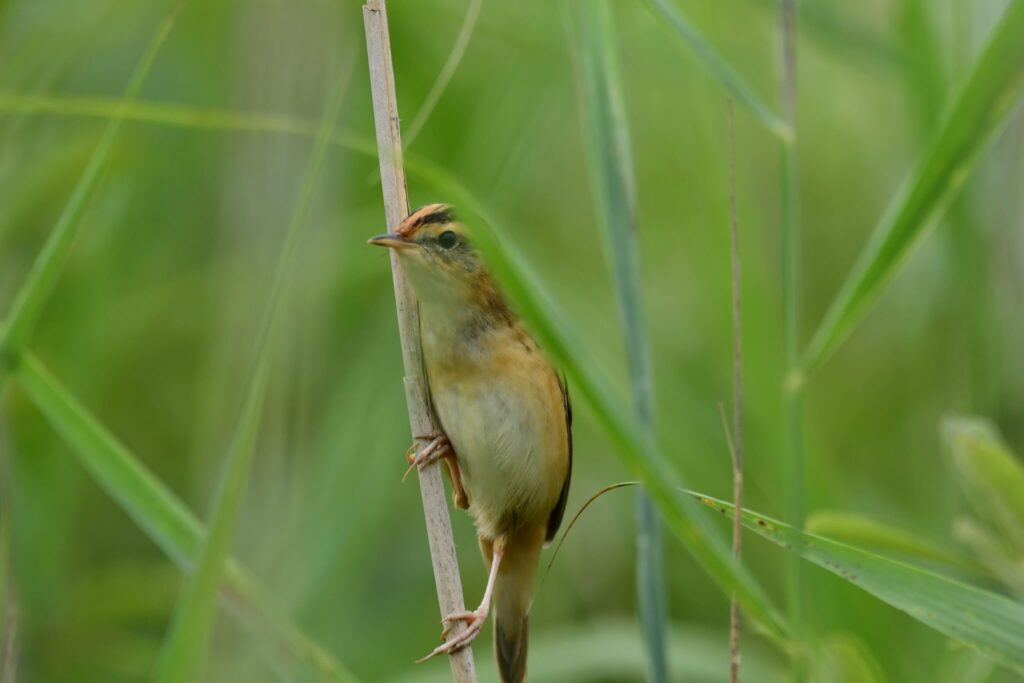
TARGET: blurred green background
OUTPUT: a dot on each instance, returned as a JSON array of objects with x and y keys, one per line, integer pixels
[{"x": 152, "y": 323}]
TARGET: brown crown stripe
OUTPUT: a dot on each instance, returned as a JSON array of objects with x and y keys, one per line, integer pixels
[{"x": 431, "y": 213}]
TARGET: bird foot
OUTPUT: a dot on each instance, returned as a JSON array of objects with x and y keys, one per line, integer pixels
[
  {"x": 474, "y": 624},
  {"x": 431, "y": 453}
]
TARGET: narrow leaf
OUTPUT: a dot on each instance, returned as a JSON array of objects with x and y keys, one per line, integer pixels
[
  {"x": 977, "y": 114},
  {"x": 188, "y": 641},
  {"x": 718, "y": 67},
  {"x": 614, "y": 187},
  {"x": 987, "y": 622},
  {"x": 31, "y": 297},
  {"x": 184, "y": 116},
  {"x": 849, "y": 527},
  {"x": 157, "y": 511}
]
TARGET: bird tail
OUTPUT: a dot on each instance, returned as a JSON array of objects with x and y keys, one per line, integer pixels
[
  {"x": 511, "y": 637},
  {"x": 513, "y": 594}
]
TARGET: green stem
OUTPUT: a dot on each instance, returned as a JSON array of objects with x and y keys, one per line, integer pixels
[
  {"x": 793, "y": 391},
  {"x": 614, "y": 184}
]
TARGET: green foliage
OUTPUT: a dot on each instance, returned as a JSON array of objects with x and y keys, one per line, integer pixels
[
  {"x": 988, "y": 622},
  {"x": 975, "y": 116},
  {"x": 165, "y": 267},
  {"x": 187, "y": 643},
  {"x": 615, "y": 190},
  {"x": 992, "y": 479},
  {"x": 718, "y": 66},
  {"x": 31, "y": 297}
]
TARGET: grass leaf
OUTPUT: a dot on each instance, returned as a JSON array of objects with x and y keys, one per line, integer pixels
[
  {"x": 157, "y": 511},
  {"x": 615, "y": 190},
  {"x": 850, "y": 527},
  {"x": 718, "y": 67},
  {"x": 977, "y": 114},
  {"x": 180, "y": 116},
  {"x": 34, "y": 291},
  {"x": 987, "y": 622},
  {"x": 188, "y": 641}
]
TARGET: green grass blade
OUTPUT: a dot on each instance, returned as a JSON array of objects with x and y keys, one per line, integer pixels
[
  {"x": 635, "y": 446},
  {"x": 451, "y": 65},
  {"x": 718, "y": 67},
  {"x": 794, "y": 466},
  {"x": 987, "y": 622},
  {"x": 158, "y": 512},
  {"x": 187, "y": 644},
  {"x": 977, "y": 114},
  {"x": 856, "y": 529},
  {"x": 179, "y": 116},
  {"x": 31, "y": 297},
  {"x": 614, "y": 186},
  {"x": 134, "y": 488}
]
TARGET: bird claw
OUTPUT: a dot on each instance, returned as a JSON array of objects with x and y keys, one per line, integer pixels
[
  {"x": 474, "y": 624},
  {"x": 434, "y": 451}
]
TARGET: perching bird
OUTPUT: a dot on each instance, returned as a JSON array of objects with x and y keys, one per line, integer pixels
[{"x": 505, "y": 416}]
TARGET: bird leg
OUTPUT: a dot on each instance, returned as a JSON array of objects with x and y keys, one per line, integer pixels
[
  {"x": 439, "y": 448},
  {"x": 474, "y": 620},
  {"x": 431, "y": 453}
]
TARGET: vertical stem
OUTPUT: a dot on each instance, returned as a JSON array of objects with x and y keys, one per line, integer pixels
[
  {"x": 615, "y": 190},
  {"x": 396, "y": 207},
  {"x": 793, "y": 395},
  {"x": 650, "y": 577},
  {"x": 737, "y": 403}
]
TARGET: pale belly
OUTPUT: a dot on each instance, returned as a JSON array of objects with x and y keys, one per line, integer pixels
[{"x": 508, "y": 428}]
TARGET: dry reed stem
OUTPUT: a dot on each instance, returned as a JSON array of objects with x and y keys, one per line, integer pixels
[{"x": 396, "y": 208}]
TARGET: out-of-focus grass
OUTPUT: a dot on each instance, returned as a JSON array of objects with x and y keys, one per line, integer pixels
[{"x": 149, "y": 320}]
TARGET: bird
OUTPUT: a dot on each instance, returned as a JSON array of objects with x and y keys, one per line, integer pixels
[{"x": 505, "y": 421}]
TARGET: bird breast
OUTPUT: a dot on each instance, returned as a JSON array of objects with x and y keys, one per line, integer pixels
[{"x": 499, "y": 402}]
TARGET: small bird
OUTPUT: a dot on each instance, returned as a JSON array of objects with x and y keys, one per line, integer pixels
[{"x": 505, "y": 417}]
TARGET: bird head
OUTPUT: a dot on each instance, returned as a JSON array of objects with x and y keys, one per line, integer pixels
[{"x": 435, "y": 252}]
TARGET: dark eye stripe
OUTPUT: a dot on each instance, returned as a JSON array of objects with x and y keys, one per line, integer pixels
[{"x": 443, "y": 216}]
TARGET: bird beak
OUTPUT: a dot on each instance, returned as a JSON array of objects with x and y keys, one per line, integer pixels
[{"x": 392, "y": 240}]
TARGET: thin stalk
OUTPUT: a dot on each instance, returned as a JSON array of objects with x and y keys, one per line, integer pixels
[
  {"x": 615, "y": 190},
  {"x": 793, "y": 394},
  {"x": 736, "y": 446},
  {"x": 396, "y": 208}
]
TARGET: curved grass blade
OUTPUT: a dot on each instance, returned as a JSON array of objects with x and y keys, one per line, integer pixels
[
  {"x": 188, "y": 641},
  {"x": 719, "y": 68},
  {"x": 985, "y": 621},
  {"x": 33, "y": 293},
  {"x": 634, "y": 445},
  {"x": 159, "y": 513},
  {"x": 853, "y": 528},
  {"x": 977, "y": 114},
  {"x": 180, "y": 116},
  {"x": 451, "y": 65},
  {"x": 614, "y": 187}
]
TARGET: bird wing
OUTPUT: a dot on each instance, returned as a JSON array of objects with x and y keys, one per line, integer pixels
[{"x": 555, "y": 518}]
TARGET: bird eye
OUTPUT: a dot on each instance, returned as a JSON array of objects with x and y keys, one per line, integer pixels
[{"x": 447, "y": 239}]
